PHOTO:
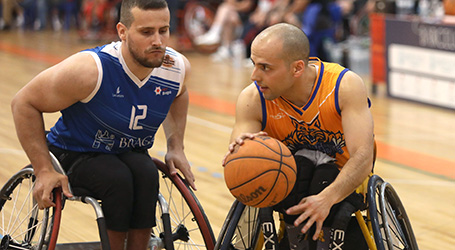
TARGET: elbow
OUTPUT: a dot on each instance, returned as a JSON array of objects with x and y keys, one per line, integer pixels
[
  {"x": 15, "y": 103},
  {"x": 20, "y": 105},
  {"x": 370, "y": 155}
]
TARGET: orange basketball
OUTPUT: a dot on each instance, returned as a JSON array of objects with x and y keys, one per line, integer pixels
[{"x": 261, "y": 172}]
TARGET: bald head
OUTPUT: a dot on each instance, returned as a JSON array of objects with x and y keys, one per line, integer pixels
[{"x": 295, "y": 44}]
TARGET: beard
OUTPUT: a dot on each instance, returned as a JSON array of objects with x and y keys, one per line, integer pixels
[{"x": 143, "y": 60}]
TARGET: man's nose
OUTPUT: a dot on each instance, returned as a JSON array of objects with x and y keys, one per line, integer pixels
[
  {"x": 255, "y": 75},
  {"x": 157, "y": 40}
]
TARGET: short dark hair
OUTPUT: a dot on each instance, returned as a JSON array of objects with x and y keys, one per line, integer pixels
[{"x": 126, "y": 17}]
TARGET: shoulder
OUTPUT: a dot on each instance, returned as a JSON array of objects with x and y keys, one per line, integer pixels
[
  {"x": 250, "y": 93},
  {"x": 176, "y": 57},
  {"x": 176, "y": 61},
  {"x": 81, "y": 70},
  {"x": 352, "y": 82},
  {"x": 249, "y": 101},
  {"x": 80, "y": 66},
  {"x": 352, "y": 90}
]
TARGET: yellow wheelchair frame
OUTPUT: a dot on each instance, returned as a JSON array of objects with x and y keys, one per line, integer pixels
[{"x": 384, "y": 224}]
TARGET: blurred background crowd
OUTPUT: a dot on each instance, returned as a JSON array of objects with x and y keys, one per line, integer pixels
[{"x": 225, "y": 28}]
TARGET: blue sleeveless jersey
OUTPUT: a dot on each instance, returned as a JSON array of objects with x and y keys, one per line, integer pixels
[{"x": 123, "y": 112}]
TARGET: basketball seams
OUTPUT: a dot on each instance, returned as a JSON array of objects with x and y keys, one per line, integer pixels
[
  {"x": 271, "y": 149},
  {"x": 262, "y": 158},
  {"x": 258, "y": 174},
  {"x": 271, "y": 188}
]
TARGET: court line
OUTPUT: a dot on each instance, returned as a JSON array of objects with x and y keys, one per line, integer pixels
[
  {"x": 388, "y": 152},
  {"x": 30, "y": 53},
  {"x": 422, "y": 182},
  {"x": 213, "y": 104},
  {"x": 210, "y": 124},
  {"x": 11, "y": 151}
]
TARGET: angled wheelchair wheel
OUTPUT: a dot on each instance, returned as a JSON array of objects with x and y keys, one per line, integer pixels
[
  {"x": 22, "y": 224},
  {"x": 241, "y": 229},
  {"x": 190, "y": 226},
  {"x": 391, "y": 226},
  {"x": 198, "y": 17}
]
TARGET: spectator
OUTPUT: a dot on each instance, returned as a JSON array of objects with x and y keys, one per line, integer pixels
[
  {"x": 227, "y": 26},
  {"x": 9, "y": 9},
  {"x": 319, "y": 20},
  {"x": 267, "y": 13}
]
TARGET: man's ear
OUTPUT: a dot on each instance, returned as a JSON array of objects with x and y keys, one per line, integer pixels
[
  {"x": 121, "y": 31},
  {"x": 298, "y": 67}
]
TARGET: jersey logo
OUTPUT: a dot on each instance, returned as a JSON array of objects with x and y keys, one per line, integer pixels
[
  {"x": 162, "y": 91},
  {"x": 168, "y": 61},
  {"x": 118, "y": 93},
  {"x": 103, "y": 138},
  {"x": 278, "y": 116},
  {"x": 313, "y": 137}
]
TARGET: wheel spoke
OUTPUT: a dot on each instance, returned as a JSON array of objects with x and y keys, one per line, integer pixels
[{"x": 187, "y": 223}]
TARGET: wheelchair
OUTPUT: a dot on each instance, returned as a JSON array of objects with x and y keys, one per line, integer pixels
[
  {"x": 196, "y": 18},
  {"x": 183, "y": 222},
  {"x": 384, "y": 223}
]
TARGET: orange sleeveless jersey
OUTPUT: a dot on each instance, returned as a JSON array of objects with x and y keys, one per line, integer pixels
[{"x": 317, "y": 125}]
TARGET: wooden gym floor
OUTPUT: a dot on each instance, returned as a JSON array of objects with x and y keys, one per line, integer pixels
[{"x": 416, "y": 143}]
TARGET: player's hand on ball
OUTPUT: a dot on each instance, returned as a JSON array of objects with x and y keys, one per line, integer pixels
[
  {"x": 239, "y": 141},
  {"x": 261, "y": 172}
]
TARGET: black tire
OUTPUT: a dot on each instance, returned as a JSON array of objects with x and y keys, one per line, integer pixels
[
  {"x": 391, "y": 226},
  {"x": 22, "y": 224},
  {"x": 190, "y": 226},
  {"x": 241, "y": 229}
]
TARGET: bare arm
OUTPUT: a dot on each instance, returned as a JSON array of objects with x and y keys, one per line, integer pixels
[
  {"x": 248, "y": 113},
  {"x": 174, "y": 128},
  {"x": 357, "y": 124},
  {"x": 52, "y": 90},
  {"x": 248, "y": 118}
]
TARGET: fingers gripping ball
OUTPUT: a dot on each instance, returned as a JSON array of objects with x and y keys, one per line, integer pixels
[{"x": 261, "y": 172}]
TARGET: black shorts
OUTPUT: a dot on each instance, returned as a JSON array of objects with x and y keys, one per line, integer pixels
[{"x": 126, "y": 183}]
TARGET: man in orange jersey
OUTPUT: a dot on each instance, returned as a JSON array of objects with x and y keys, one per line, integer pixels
[{"x": 320, "y": 111}]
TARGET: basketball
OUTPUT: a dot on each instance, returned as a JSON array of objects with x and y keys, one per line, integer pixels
[{"x": 261, "y": 172}]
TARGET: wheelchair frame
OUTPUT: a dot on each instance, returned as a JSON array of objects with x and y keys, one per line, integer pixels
[
  {"x": 385, "y": 224},
  {"x": 183, "y": 221}
]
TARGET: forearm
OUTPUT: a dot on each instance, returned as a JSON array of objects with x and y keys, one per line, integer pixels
[
  {"x": 30, "y": 131},
  {"x": 351, "y": 175},
  {"x": 175, "y": 122}
]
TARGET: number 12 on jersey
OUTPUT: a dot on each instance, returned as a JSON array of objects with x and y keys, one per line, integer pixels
[{"x": 136, "y": 117}]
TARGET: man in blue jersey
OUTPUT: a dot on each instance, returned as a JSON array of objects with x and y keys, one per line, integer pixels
[{"x": 112, "y": 98}]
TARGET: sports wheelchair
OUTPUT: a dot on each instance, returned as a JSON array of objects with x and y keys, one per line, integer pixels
[
  {"x": 23, "y": 226},
  {"x": 384, "y": 223}
]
